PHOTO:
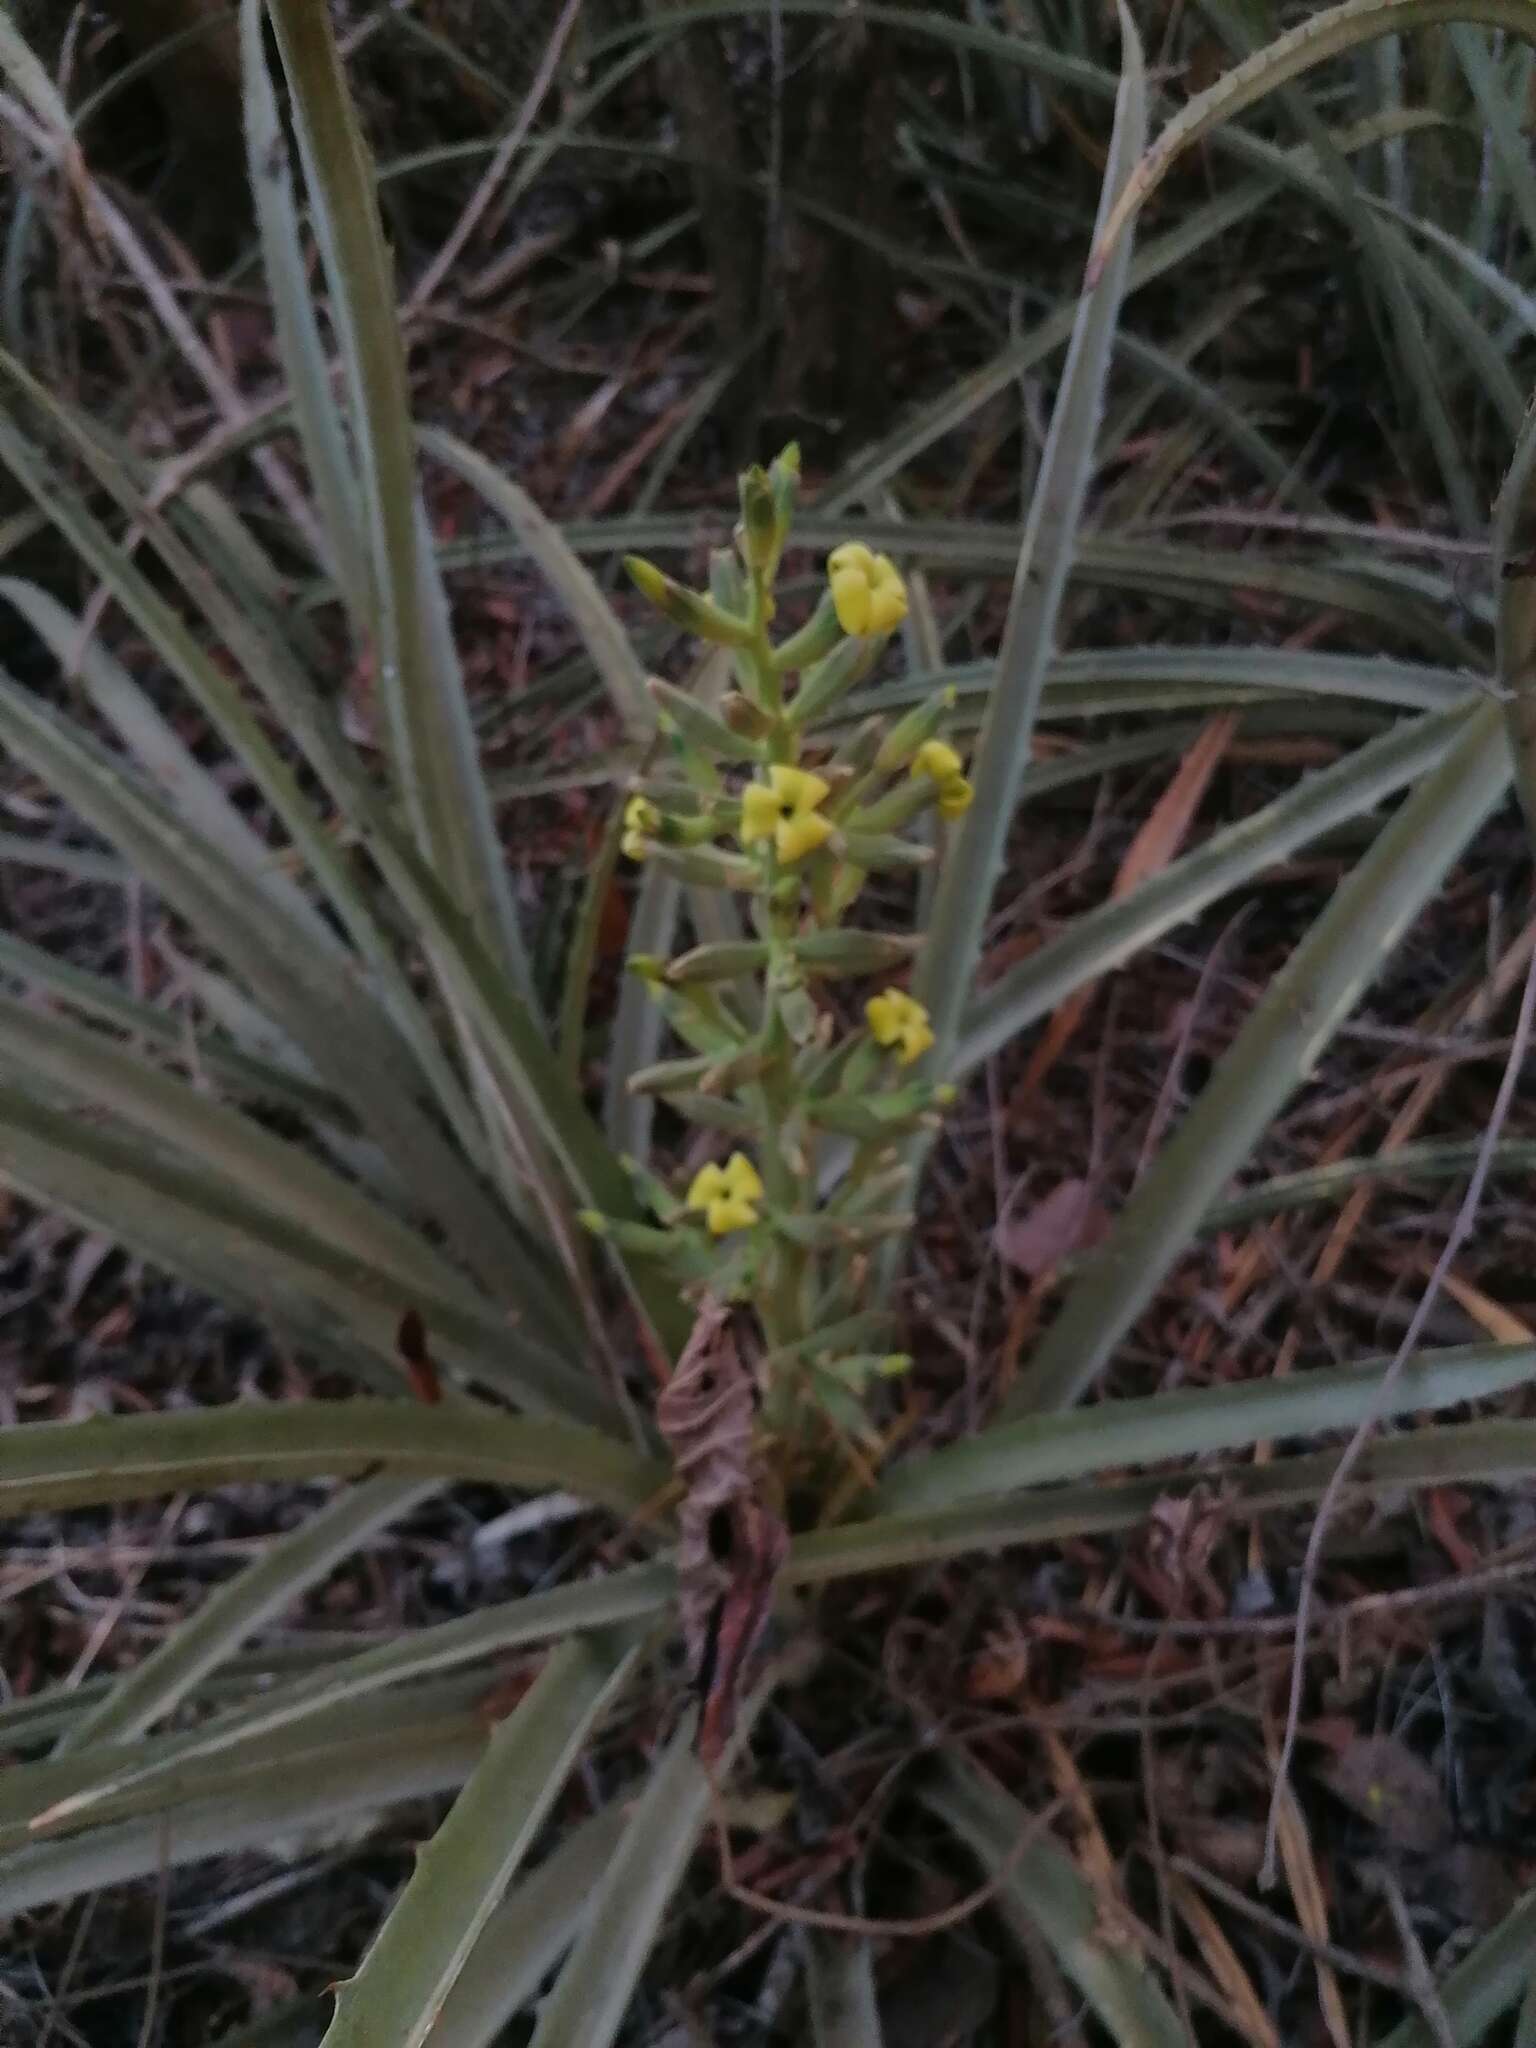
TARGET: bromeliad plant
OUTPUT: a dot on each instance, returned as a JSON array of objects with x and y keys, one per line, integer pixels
[
  {"x": 749, "y": 804},
  {"x": 361, "y": 971}
]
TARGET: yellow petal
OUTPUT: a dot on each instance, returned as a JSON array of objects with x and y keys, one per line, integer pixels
[
  {"x": 725, "y": 1214},
  {"x": 800, "y": 835},
  {"x": 798, "y": 788},
  {"x": 635, "y": 845},
  {"x": 741, "y": 1178},
  {"x": 850, "y": 599},
  {"x": 916, "y": 1037},
  {"x": 938, "y": 760},
  {"x": 761, "y": 810},
  {"x": 641, "y": 815},
  {"x": 708, "y": 1185},
  {"x": 887, "y": 608},
  {"x": 883, "y": 1015},
  {"x": 851, "y": 555},
  {"x": 955, "y": 797}
]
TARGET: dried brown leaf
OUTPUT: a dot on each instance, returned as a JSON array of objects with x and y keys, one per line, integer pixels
[
  {"x": 1381, "y": 1778},
  {"x": 731, "y": 1542},
  {"x": 1064, "y": 1221}
]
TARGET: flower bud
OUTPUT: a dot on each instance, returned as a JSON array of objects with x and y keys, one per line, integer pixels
[
  {"x": 881, "y": 852},
  {"x": 870, "y": 595},
  {"x": 898, "y": 807},
  {"x": 699, "y": 727},
  {"x": 856, "y": 1117},
  {"x": 727, "y": 585},
  {"x": 821, "y": 686},
  {"x": 723, "y": 961},
  {"x": 665, "y": 1074},
  {"x": 856, "y": 753},
  {"x": 696, "y": 1014},
  {"x": 784, "y": 476},
  {"x": 760, "y": 536},
  {"x": 798, "y": 1013},
  {"x": 747, "y": 1065},
  {"x": 709, "y": 865},
  {"x": 913, "y": 729},
  {"x": 686, "y": 607},
  {"x": 854, "y": 952},
  {"x": 641, "y": 1239},
  {"x": 817, "y": 637},
  {"x": 713, "y": 1112},
  {"x": 746, "y": 719}
]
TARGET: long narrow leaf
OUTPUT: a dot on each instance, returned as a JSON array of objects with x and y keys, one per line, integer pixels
[
  {"x": 572, "y": 582},
  {"x": 1487, "y": 1983},
  {"x": 971, "y": 867},
  {"x": 298, "y": 331},
  {"x": 1312, "y": 42},
  {"x": 1514, "y": 566},
  {"x": 1485, "y": 1453},
  {"x": 52, "y": 1465},
  {"x": 345, "y": 1686},
  {"x": 1192, "y": 1421},
  {"x": 840, "y": 1987},
  {"x": 347, "y": 1310},
  {"x": 591, "y": 1995},
  {"x": 1045, "y": 1893},
  {"x": 183, "y": 1658},
  {"x": 1280, "y": 1043},
  {"x": 526, "y": 1935},
  {"x": 351, "y": 1778},
  {"x": 417, "y": 1955},
  {"x": 239, "y": 1072},
  {"x": 1106, "y": 937},
  {"x": 1434, "y": 1160},
  {"x": 189, "y": 789},
  {"x": 269, "y": 663},
  {"x": 258, "y": 1168},
  {"x": 1409, "y": 606},
  {"x": 1408, "y": 344},
  {"x": 350, "y": 1045},
  {"x": 431, "y": 736}
]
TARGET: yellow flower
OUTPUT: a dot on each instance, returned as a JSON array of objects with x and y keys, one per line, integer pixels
[
  {"x": 642, "y": 821},
  {"x": 786, "y": 809},
  {"x": 942, "y": 765},
  {"x": 867, "y": 589},
  {"x": 727, "y": 1196},
  {"x": 938, "y": 760},
  {"x": 899, "y": 1020}
]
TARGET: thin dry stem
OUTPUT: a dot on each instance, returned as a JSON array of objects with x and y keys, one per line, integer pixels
[{"x": 1460, "y": 1230}]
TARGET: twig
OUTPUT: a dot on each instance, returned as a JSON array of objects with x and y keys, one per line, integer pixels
[
  {"x": 1421, "y": 1982},
  {"x": 1464, "y": 1586},
  {"x": 157, "y": 1936},
  {"x": 1156, "y": 1846},
  {"x": 432, "y": 277},
  {"x": 853, "y": 1923},
  {"x": 1460, "y": 1230},
  {"x": 1287, "y": 1930}
]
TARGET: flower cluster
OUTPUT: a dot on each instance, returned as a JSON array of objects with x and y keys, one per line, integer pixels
[{"x": 773, "y": 789}]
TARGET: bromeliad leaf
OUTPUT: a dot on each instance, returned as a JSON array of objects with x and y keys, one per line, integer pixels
[{"x": 395, "y": 1998}]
